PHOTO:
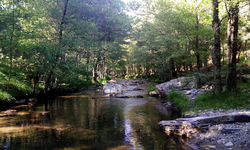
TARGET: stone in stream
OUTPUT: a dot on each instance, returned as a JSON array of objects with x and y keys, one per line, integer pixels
[
  {"x": 112, "y": 88},
  {"x": 21, "y": 101}
]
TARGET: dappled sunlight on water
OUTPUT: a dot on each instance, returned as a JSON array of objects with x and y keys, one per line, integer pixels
[{"x": 86, "y": 121}]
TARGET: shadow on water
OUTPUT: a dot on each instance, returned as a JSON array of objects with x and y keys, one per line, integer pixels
[{"x": 88, "y": 121}]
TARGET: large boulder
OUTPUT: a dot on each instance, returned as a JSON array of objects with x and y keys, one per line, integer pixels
[
  {"x": 112, "y": 88},
  {"x": 179, "y": 83}
]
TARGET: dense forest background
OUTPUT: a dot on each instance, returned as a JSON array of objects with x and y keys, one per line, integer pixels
[{"x": 45, "y": 44}]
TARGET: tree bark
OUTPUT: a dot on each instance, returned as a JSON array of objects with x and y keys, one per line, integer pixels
[
  {"x": 216, "y": 54},
  {"x": 88, "y": 57},
  {"x": 232, "y": 35},
  {"x": 11, "y": 45},
  {"x": 198, "y": 61},
  {"x": 172, "y": 66}
]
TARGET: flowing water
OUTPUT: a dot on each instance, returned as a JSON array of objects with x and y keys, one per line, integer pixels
[{"x": 87, "y": 120}]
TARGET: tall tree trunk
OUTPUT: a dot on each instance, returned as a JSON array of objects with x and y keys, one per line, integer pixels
[
  {"x": 198, "y": 61},
  {"x": 35, "y": 80},
  {"x": 46, "y": 86},
  {"x": 172, "y": 66},
  {"x": 188, "y": 49},
  {"x": 96, "y": 67},
  {"x": 88, "y": 57},
  {"x": 232, "y": 35},
  {"x": 216, "y": 54}
]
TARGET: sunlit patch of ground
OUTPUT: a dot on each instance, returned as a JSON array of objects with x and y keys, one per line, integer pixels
[{"x": 13, "y": 129}]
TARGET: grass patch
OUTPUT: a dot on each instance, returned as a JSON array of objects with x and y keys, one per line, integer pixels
[
  {"x": 151, "y": 88},
  {"x": 178, "y": 99},
  {"x": 208, "y": 100},
  {"x": 224, "y": 100}
]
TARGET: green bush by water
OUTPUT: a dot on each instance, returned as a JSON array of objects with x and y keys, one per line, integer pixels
[
  {"x": 180, "y": 100},
  {"x": 209, "y": 100},
  {"x": 17, "y": 86},
  {"x": 151, "y": 88}
]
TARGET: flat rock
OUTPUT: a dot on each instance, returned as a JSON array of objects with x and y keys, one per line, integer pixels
[{"x": 189, "y": 127}]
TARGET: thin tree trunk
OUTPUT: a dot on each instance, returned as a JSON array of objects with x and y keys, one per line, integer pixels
[
  {"x": 60, "y": 43},
  {"x": 11, "y": 45},
  {"x": 198, "y": 61},
  {"x": 172, "y": 66},
  {"x": 96, "y": 67},
  {"x": 88, "y": 57},
  {"x": 188, "y": 49},
  {"x": 216, "y": 54}
]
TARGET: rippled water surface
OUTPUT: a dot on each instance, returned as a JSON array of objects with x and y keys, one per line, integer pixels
[{"x": 87, "y": 121}]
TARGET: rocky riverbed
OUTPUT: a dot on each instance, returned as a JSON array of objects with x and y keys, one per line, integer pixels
[
  {"x": 219, "y": 135},
  {"x": 228, "y": 136}
]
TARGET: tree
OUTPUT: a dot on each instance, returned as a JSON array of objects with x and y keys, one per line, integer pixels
[
  {"x": 216, "y": 54},
  {"x": 232, "y": 35}
]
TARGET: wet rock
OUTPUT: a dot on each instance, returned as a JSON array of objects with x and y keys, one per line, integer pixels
[
  {"x": 137, "y": 89},
  {"x": 171, "y": 106},
  {"x": 225, "y": 134},
  {"x": 32, "y": 99},
  {"x": 21, "y": 101},
  {"x": 112, "y": 88},
  {"x": 154, "y": 93},
  {"x": 139, "y": 96},
  {"x": 112, "y": 81},
  {"x": 189, "y": 127},
  {"x": 229, "y": 144},
  {"x": 121, "y": 96}
]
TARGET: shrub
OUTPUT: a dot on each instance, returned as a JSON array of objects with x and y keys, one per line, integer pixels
[
  {"x": 152, "y": 88},
  {"x": 108, "y": 77},
  {"x": 178, "y": 99}
]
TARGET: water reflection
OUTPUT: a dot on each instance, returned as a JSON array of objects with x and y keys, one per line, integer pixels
[{"x": 87, "y": 121}]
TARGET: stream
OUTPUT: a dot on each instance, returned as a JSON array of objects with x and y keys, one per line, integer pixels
[{"x": 88, "y": 120}]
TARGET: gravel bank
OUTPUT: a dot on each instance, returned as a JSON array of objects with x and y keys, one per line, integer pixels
[{"x": 223, "y": 136}]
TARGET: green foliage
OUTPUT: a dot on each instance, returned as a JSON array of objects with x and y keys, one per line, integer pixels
[
  {"x": 17, "y": 87},
  {"x": 108, "y": 77},
  {"x": 225, "y": 100},
  {"x": 178, "y": 99},
  {"x": 102, "y": 80},
  {"x": 244, "y": 84},
  {"x": 152, "y": 88},
  {"x": 130, "y": 77},
  {"x": 5, "y": 96},
  {"x": 81, "y": 83}
]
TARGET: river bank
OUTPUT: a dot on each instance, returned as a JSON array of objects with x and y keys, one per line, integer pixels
[
  {"x": 204, "y": 124},
  {"x": 211, "y": 129},
  {"x": 224, "y": 135},
  {"x": 24, "y": 99}
]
